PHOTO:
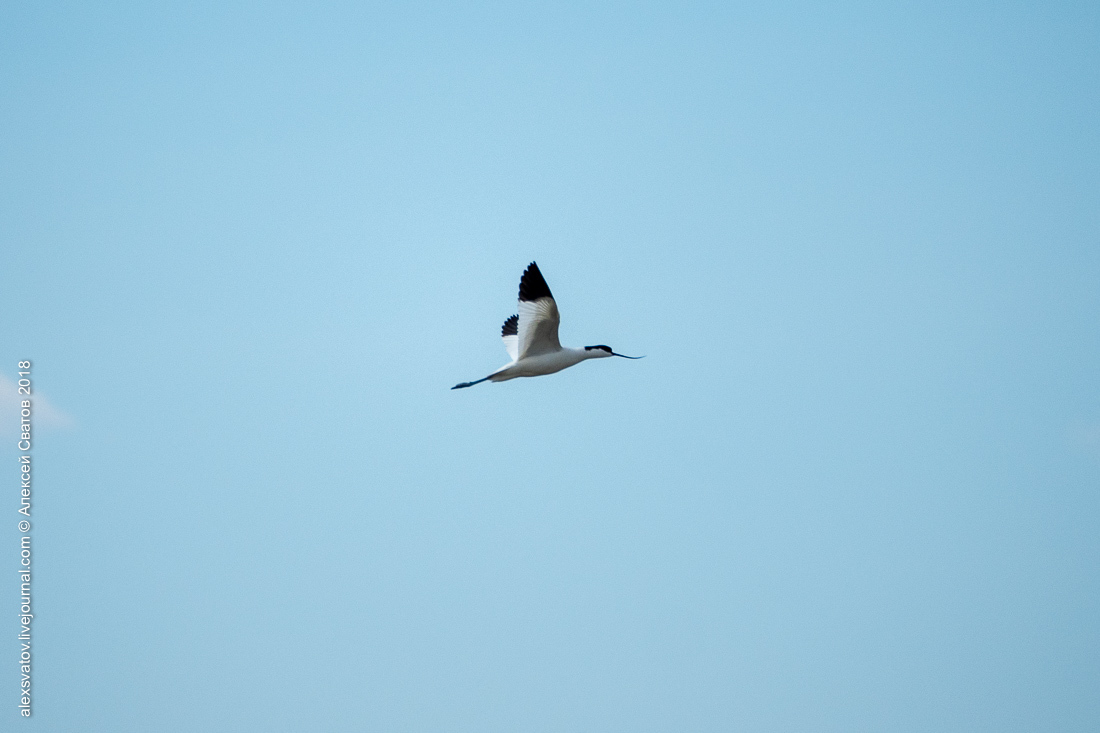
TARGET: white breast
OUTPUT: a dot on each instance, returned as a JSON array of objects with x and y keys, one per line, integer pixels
[{"x": 535, "y": 366}]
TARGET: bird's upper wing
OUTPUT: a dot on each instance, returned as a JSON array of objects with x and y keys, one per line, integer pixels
[
  {"x": 538, "y": 315},
  {"x": 510, "y": 333}
]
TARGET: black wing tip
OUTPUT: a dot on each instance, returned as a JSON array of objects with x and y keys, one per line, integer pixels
[
  {"x": 532, "y": 285},
  {"x": 510, "y": 327}
]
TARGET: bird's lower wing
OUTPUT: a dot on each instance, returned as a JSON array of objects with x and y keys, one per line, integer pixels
[{"x": 510, "y": 334}]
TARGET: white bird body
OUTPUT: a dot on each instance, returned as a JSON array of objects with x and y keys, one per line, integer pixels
[
  {"x": 531, "y": 336},
  {"x": 536, "y": 366}
]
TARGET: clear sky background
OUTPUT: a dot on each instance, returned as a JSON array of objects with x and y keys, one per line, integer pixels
[{"x": 855, "y": 486}]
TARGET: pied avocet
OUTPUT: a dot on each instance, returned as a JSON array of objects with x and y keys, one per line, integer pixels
[{"x": 531, "y": 337}]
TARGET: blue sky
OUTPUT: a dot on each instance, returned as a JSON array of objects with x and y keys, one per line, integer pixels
[{"x": 854, "y": 486}]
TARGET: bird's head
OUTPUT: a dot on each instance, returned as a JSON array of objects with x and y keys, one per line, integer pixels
[{"x": 600, "y": 351}]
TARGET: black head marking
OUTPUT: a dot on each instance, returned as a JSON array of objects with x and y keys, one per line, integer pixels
[
  {"x": 601, "y": 347},
  {"x": 532, "y": 285},
  {"x": 510, "y": 327}
]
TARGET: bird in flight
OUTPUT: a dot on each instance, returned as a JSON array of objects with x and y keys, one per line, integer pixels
[{"x": 531, "y": 337}]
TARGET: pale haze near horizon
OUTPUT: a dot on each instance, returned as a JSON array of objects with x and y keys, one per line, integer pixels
[{"x": 853, "y": 486}]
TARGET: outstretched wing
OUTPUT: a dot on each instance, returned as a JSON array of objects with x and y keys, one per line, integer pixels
[
  {"x": 510, "y": 333},
  {"x": 537, "y": 329}
]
